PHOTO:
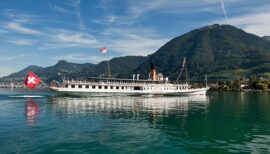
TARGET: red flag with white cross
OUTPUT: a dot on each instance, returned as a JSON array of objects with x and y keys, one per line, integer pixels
[
  {"x": 103, "y": 50},
  {"x": 31, "y": 80}
]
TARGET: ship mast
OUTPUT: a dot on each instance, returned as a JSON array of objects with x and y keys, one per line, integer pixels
[
  {"x": 183, "y": 67},
  {"x": 186, "y": 72}
]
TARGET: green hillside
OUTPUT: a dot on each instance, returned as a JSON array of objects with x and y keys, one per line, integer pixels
[
  {"x": 119, "y": 65},
  {"x": 221, "y": 51}
]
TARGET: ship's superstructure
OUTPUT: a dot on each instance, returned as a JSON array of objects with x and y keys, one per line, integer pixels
[{"x": 157, "y": 84}]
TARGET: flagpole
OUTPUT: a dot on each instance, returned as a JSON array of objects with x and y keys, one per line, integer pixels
[
  {"x": 109, "y": 73},
  {"x": 44, "y": 83},
  {"x": 104, "y": 50}
]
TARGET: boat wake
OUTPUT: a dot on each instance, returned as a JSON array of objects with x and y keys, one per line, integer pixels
[{"x": 27, "y": 96}]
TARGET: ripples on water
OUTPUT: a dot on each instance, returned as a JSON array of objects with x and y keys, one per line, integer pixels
[{"x": 39, "y": 122}]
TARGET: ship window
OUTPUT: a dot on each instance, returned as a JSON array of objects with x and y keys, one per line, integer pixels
[
  {"x": 72, "y": 86},
  {"x": 137, "y": 88},
  {"x": 111, "y": 87},
  {"x": 106, "y": 87},
  {"x": 123, "y": 87},
  {"x": 80, "y": 86},
  {"x": 117, "y": 87},
  {"x": 93, "y": 87},
  {"x": 66, "y": 85},
  {"x": 87, "y": 86},
  {"x": 99, "y": 87}
]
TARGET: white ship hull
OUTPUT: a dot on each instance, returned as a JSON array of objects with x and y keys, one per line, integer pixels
[
  {"x": 201, "y": 91},
  {"x": 124, "y": 88}
]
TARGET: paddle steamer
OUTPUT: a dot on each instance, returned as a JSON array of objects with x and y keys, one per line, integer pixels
[{"x": 156, "y": 84}]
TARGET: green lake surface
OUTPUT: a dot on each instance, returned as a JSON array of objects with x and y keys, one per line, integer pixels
[{"x": 221, "y": 122}]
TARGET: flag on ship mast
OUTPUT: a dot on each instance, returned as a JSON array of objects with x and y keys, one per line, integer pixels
[
  {"x": 103, "y": 50},
  {"x": 31, "y": 80}
]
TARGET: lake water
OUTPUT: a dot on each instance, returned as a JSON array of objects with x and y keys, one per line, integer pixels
[{"x": 221, "y": 122}]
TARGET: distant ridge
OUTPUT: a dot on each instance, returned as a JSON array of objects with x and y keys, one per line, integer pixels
[
  {"x": 74, "y": 70},
  {"x": 23, "y": 72}
]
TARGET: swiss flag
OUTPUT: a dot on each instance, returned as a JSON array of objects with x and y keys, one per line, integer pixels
[
  {"x": 31, "y": 80},
  {"x": 103, "y": 50}
]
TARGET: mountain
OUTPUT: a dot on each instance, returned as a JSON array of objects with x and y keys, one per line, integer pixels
[
  {"x": 22, "y": 73},
  {"x": 61, "y": 68},
  {"x": 220, "y": 51},
  {"x": 267, "y": 38},
  {"x": 119, "y": 65}
]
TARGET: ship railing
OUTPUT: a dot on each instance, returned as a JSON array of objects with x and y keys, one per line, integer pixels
[{"x": 120, "y": 82}]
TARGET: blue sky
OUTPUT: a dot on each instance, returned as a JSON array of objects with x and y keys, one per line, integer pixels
[{"x": 41, "y": 32}]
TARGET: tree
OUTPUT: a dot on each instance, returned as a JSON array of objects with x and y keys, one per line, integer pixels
[
  {"x": 252, "y": 81},
  {"x": 236, "y": 83}
]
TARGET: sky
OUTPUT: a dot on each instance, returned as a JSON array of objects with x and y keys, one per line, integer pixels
[{"x": 42, "y": 32}]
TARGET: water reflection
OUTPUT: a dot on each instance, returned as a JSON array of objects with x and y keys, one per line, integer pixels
[
  {"x": 160, "y": 105},
  {"x": 31, "y": 111}
]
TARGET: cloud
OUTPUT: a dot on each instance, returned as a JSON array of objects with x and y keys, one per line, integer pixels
[
  {"x": 257, "y": 21},
  {"x": 10, "y": 58},
  {"x": 77, "y": 4},
  {"x": 21, "y": 29},
  {"x": 7, "y": 58},
  {"x": 111, "y": 18},
  {"x": 19, "y": 17},
  {"x": 224, "y": 10},
  {"x": 81, "y": 39},
  {"x": 254, "y": 23},
  {"x": 57, "y": 39},
  {"x": 128, "y": 42},
  {"x": 4, "y": 71},
  {"x": 140, "y": 7},
  {"x": 139, "y": 10},
  {"x": 22, "y": 42},
  {"x": 60, "y": 9},
  {"x": 137, "y": 46}
]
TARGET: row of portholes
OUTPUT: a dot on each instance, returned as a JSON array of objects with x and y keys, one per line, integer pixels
[{"x": 118, "y": 87}]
